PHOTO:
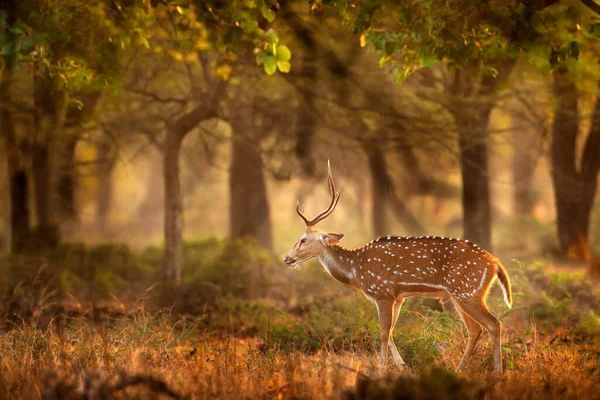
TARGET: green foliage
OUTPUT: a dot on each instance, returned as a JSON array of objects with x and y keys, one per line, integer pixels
[
  {"x": 275, "y": 56},
  {"x": 557, "y": 299},
  {"x": 224, "y": 29},
  {"x": 79, "y": 44},
  {"x": 105, "y": 269},
  {"x": 409, "y": 35}
]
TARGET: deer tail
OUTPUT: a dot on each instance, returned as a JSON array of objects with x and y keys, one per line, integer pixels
[{"x": 504, "y": 282}]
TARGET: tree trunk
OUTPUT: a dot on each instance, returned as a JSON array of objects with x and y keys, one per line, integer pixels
[
  {"x": 19, "y": 215},
  {"x": 383, "y": 193},
  {"x": 306, "y": 126},
  {"x": 176, "y": 132},
  {"x": 41, "y": 175},
  {"x": 19, "y": 204},
  {"x": 173, "y": 257},
  {"x": 106, "y": 163},
  {"x": 49, "y": 119},
  {"x": 523, "y": 165},
  {"x": 74, "y": 122},
  {"x": 574, "y": 189},
  {"x": 471, "y": 113},
  {"x": 66, "y": 181},
  {"x": 379, "y": 196},
  {"x": 249, "y": 213},
  {"x": 474, "y": 172}
]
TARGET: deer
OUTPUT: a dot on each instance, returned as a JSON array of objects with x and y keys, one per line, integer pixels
[{"x": 390, "y": 269}]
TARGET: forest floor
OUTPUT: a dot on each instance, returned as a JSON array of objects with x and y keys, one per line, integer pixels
[
  {"x": 141, "y": 355},
  {"x": 305, "y": 337}
]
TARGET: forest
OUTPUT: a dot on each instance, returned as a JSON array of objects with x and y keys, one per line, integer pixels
[{"x": 155, "y": 156}]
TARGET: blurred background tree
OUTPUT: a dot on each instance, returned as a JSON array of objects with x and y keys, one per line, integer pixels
[{"x": 122, "y": 119}]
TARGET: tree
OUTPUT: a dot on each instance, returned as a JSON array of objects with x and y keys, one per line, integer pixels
[
  {"x": 249, "y": 207},
  {"x": 477, "y": 40},
  {"x": 574, "y": 185},
  {"x": 206, "y": 39},
  {"x": 70, "y": 47}
]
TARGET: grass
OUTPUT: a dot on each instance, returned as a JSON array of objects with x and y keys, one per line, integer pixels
[
  {"x": 297, "y": 335},
  {"x": 141, "y": 354}
]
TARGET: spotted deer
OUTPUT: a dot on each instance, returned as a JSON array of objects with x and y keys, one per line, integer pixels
[{"x": 391, "y": 268}]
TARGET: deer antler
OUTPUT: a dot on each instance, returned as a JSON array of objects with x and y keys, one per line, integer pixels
[{"x": 335, "y": 197}]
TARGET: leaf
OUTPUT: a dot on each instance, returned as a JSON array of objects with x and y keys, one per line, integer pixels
[
  {"x": 179, "y": 10},
  {"x": 283, "y": 53},
  {"x": 284, "y": 66},
  {"x": 16, "y": 30},
  {"x": 144, "y": 42},
  {"x": 270, "y": 64},
  {"x": 9, "y": 49},
  {"x": 574, "y": 50},
  {"x": 268, "y": 14},
  {"x": 363, "y": 40},
  {"x": 223, "y": 71},
  {"x": 250, "y": 25},
  {"x": 271, "y": 37},
  {"x": 428, "y": 61}
]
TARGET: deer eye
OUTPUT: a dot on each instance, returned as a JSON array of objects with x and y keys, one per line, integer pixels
[{"x": 303, "y": 240}]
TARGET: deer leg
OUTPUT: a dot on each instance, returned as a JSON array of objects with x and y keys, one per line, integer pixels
[
  {"x": 474, "y": 330},
  {"x": 479, "y": 312},
  {"x": 395, "y": 354},
  {"x": 385, "y": 309}
]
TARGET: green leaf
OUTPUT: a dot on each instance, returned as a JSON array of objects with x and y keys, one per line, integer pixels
[
  {"x": 9, "y": 49},
  {"x": 284, "y": 66},
  {"x": 268, "y": 14},
  {"x": 144, "y": 42},
  {"x": 16, "y": 30},
  {"x": 428, "y": 61},
  {"x": 271, "y": 36},
  {"x": 250, "y": 25},
  {"x": 270, "y": 64},
  {"x": 283, "y": 53}
]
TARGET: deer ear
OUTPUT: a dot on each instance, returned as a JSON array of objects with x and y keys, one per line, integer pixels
[{"x": 329, "y": 239}]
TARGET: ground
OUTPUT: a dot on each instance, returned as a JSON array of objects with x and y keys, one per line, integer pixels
[{"x": 311, "y": 339}]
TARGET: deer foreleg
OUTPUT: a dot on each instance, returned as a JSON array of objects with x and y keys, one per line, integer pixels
[
  {"x": 385, "y": 309},
  {"x": 395, "y": 354}
]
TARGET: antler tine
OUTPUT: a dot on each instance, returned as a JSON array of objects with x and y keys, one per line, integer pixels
[
  {"x": 301, "y": 214},
  {"x": 330, "y": 179},
  {"x": 335, "y": 197}
]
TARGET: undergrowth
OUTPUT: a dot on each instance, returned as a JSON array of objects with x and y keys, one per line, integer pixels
[{"x": 81, "y": 323}]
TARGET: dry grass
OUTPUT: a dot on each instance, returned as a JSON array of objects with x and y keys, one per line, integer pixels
[
  {"x": 143, "y": 355},
  {"x": 301, "y": 336}
]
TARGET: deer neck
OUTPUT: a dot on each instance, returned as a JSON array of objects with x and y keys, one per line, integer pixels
[{"x": 341, "y": 263}]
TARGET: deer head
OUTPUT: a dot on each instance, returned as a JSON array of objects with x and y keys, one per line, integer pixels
[{"x": 314, "y": 241}]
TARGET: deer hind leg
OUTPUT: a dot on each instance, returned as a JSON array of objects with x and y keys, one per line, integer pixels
[
  {"x": 474, "y": 331},
  {"x": 385, "y": 309},
  {"x": 395, "y": 354},
  {"x": 479, "y": 312}
]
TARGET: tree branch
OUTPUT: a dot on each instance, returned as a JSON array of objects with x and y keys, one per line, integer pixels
[{"x": 592, "y": 5}]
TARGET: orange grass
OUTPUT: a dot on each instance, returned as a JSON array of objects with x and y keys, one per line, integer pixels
[{"x": 143, "y": 355}]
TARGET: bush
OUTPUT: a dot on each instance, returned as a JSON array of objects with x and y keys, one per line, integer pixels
[{"x": 101, "y": 270}]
